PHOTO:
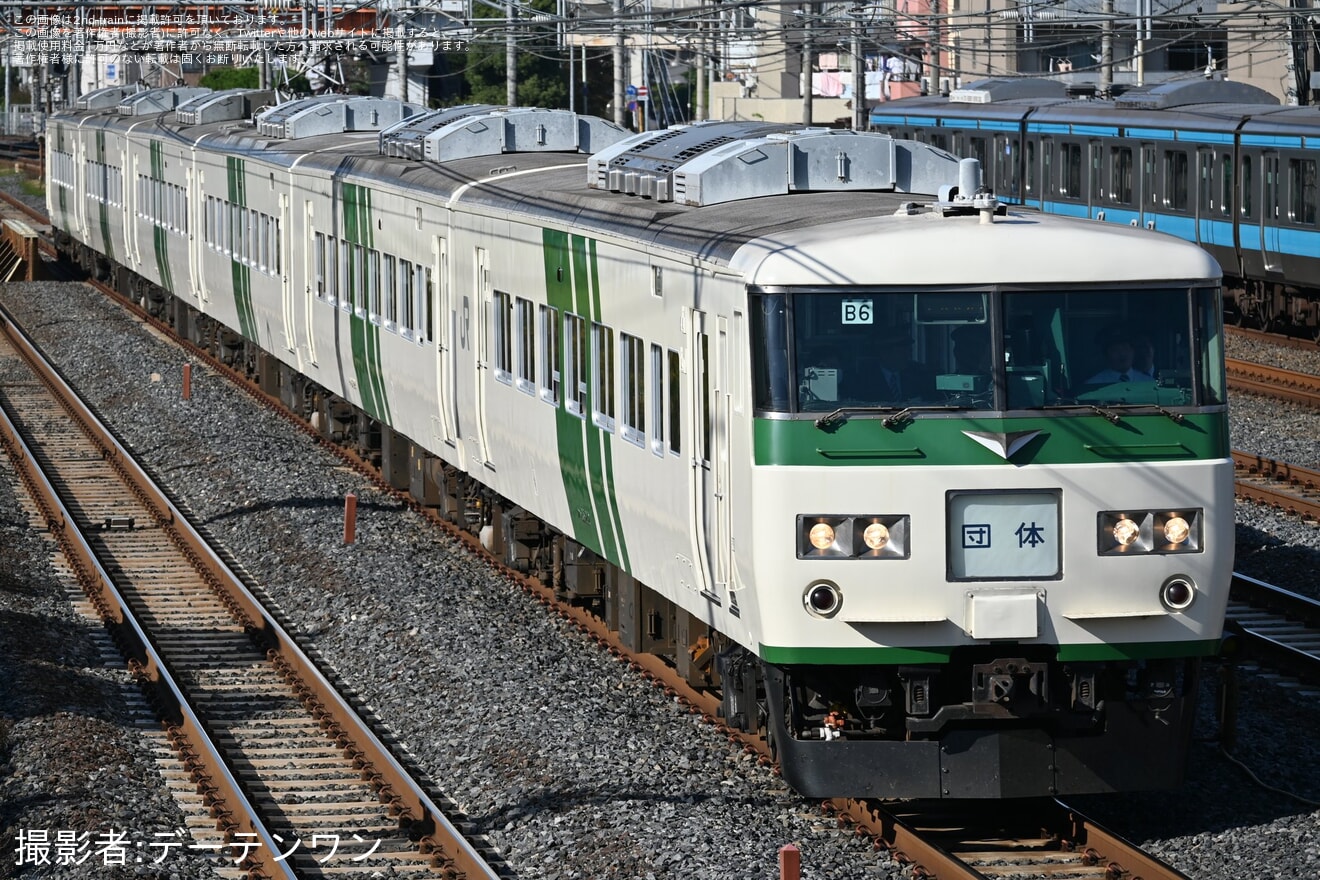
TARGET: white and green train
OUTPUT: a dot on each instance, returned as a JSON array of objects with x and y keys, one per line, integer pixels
[{"x": 938, "y": 495}]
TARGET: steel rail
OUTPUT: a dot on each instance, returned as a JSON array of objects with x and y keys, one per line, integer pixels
[
  {"x": 235, "y": 813},
  {"x": 409, "y": 802}
]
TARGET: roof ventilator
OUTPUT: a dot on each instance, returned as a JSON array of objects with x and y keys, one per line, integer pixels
[
  {"x": 158, "y": 100},
  {"x": 1181, "y": 93},
  {"x": 332, "y": 114},
  {"x": 466, "y": 132},
  {"x": 715, "y": 162},
  {"x": 104, "y": 99},
  {"x": 225, "y": 106}
]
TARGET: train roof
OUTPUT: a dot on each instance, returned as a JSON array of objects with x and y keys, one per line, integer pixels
[{"x": 799, "y": 238}]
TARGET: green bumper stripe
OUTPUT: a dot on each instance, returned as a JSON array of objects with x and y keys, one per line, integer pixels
[
  {"x": 937, "y": 654},
  {"x": 940, "y": 442}
]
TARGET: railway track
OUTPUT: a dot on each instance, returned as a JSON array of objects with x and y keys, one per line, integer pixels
[
  {"x": 284, "y": 762},
  {"x": 1278, "y": 626},
  {"x": 1292, "y": 489},
  {"x": 1273, "y": 382}
]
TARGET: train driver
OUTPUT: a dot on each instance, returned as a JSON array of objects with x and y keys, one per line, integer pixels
[{"x": 1120, "y": 355}]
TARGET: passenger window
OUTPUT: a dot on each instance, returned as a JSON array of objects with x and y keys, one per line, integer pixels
[
  {"x": 575, "y": 364},
  {"x": 502, "y": 327},
  {"x": 1120, "y": 171},
  {"x": 675, "y": 396},
  {"x": 525, "y": 318},
  {"x": 632, "y": 370},
  {"x": 551, "y": 363},
  {"x": 1225, "y": 184},
  {"x": 1248, "y": 207},
  {"x": 602, "y": 376},
  {"x": 1175, "y": 180},
  {"x": 1301, "y": 190}
]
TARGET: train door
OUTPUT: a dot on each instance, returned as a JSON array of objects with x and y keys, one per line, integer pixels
[
  {"x": 1269, "y": 212},
  {"x": 278, "y": 258},
  {"x": 446, "y": 360},
  {"x": 710, "y": 449},
  {"x": 483, "y": 307}
]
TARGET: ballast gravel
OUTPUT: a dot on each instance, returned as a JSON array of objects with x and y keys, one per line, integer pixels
[{"x": 570, "y": 763}]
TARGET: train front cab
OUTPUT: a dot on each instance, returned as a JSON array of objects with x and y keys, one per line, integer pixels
[{"x": 937, "y": 719}]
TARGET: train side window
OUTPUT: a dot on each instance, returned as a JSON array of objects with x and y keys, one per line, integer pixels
[
  {"x": 405, "y": 295},
  {"x": 1005, "y": 166},
  {"x": 502, "y": 328},
  {"x": 389, "y": 280},
  {"x": 427, "y": 296},
  {"x": 1226, "y": 184},
  {"x": 318, "y": 262},
  {"x": 1301, "y": 191},
  {"x": 632, "y": 372},
  {"x": 657, "y": 399},
  {"x": 1097, "y": 158},
  {"x": 1070, "y": 171},
  {"x": 977, "y": 150},
  {"x": 1205, "y": 166},
  {"x": 1149, "y": 192},
  {"x": 551, "y": 355},
  {"x": 1031, "y": 167},
  {"x": 1120, "y": 170},
  {"x": 602, "y": 376},
  {"x": 331, "y": 269},
  {"x": 422, "y": 294},
  {"x": 1175, "y": 180},
  {"x": 675, "y": 397},
  {"x": 1248, "y": 207},
  {"x": 373, "y": 284},
  {"x": 525, "y": 322},
  {"x": 575, "y": 364},
  {"x": 1047, "y": 166}
]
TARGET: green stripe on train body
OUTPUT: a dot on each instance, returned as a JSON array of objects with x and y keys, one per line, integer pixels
[
  {"x": 159, "y": 241},
  {"x": 586, "y": 459},
  {"x": 240, "y": 272},
  {"x": 940, "y": 442},
  {"x": 364, "y": 335},
  {"x": 104, "y": 207},
  {"x": 1096, "y": 653}
]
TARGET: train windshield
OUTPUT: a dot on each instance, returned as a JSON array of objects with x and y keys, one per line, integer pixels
[{"x": 987, "y": 349}]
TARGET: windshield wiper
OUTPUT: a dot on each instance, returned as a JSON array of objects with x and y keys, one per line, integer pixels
[
  {"x": 1115, "y": 418},
  {"x": 837, "y": 417}
]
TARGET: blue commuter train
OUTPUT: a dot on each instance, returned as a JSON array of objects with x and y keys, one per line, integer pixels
[{"x": 1215, "y": 162}]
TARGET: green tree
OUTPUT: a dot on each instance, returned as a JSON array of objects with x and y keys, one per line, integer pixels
[
  {"x": 542, "y": 70},
  {"x": 221, "y": 78}
]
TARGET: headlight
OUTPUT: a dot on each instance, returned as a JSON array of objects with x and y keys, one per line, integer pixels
[
  {"x": 821, "y": 536},
  {"x": 875, "y": 536},
  {"x": 1125, "y": 532},
  {"x": 878, "y": 536}
]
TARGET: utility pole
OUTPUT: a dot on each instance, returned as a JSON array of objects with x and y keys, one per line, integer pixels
[
  {"x": 859, "y": 73},
  {"x": 618, "y": 63},
  {"x": 1107, "y": 49},
  {"x": 1143, "y": 34},
  {"x": 808, "y": 50},
  {"x": 510, "y": 58},
  {"x": 699, "y": 112}
]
